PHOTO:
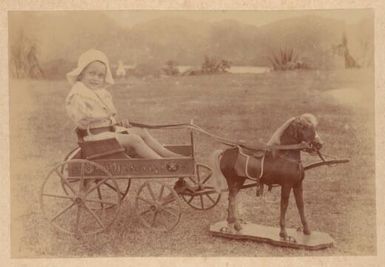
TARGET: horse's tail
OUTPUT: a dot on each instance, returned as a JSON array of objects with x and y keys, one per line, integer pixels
[{"x": 219, "y": 180}]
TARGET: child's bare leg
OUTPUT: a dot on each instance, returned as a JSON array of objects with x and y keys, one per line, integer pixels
[
  {"x": 137, "y": 143},
  {"x": 153, "y": 143}
]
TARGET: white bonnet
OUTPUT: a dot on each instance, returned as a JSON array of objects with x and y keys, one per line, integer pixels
[{"x": 85, "y": 59}]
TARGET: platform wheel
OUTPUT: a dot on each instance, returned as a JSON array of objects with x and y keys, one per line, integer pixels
[
  {"x": 123, "y": 184},
  {"x": 204, "y": 196},
  {"x": 158, "y": 206},
  {"x": 86, "y": 206}
]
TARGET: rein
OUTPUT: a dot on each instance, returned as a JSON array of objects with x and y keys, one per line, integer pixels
[
  {"x": 222, "y": 140},
  {"x": 290, "y": 159},
  {"x": 190, "y": 125}
]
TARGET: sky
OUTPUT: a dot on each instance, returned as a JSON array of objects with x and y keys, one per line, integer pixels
[{"x": 252, "y": 17}]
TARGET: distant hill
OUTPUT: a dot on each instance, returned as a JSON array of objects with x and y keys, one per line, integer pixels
[
  {"x": 64, "y": 35},
  {"x": 168, "y": 38}
]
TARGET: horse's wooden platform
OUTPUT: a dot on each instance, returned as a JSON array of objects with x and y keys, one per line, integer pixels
[{"x": 260, "y": 233}]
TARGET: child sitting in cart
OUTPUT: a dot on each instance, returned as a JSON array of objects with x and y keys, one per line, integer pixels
[{"x": 90, "y": 106}]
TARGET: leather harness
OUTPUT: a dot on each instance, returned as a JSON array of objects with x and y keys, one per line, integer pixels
[{"x": 244, "y": 165}]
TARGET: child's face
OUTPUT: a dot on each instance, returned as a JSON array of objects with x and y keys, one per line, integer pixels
[{"x": 93, "y": 75}]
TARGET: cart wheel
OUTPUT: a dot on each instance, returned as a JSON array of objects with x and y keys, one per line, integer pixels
[
  {"x": 158, "y": 206},
  {"x": 205, "y": 197},
  {"x": 85, "y": 207},
  {"x": 123, "y": 184}
]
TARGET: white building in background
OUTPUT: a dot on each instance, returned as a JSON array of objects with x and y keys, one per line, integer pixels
[{"x": 121, "y": 70}]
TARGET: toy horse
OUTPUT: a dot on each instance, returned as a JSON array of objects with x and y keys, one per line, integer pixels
[{"x": 279, "y": 165}]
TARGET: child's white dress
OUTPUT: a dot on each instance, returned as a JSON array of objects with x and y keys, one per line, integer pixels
[{"x": 92, "y": 109}]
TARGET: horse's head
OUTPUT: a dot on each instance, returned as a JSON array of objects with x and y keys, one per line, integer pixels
[
  {"x": 297, "y": 130},
  {"x": 303, "y": 129}
]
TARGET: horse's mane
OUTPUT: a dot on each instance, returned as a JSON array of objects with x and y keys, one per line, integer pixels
[
  {"x": 310, "y": 118},
  {"x": 276, "y": 137}
]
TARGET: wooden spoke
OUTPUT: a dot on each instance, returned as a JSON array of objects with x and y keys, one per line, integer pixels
[
  {"x": 63, "y": 211},
  {"x": 192, "y": 180},
  {"x": 73, "y": 180},
  {"x": 94, "y": 215},
  {"x": 60, "y": 175},
  {"x": 77, "y": 230},
  {"x": 145, "y": 200},
  {"x": 202, "y": 205},
  {"x": 154, "y": 218},
  {"x": 191, "y": 198},
  {"x": 101, "y": 202},
  {"x": 81, "y": 180},
  {"x": 64, "y": 180},
  {"x": 169, "y": 201},
  {"x": 60, "y": 213},
  {"x": 207, "y": 178},
  {"x": 162, "y": 221},
  {"x": 200, "y": 202},
  {"x": 100, "y": 197},
  {"x": 96, "y": 186},
  {"x": 169, "y": 212},
  {"x": 81, "y": 172},
  {"x": 113, "y": 188},
  {"x": 208, "y": 175},
  {"x": 197, "y": 200},
  {"x": 211, "y": 199},
  {"x": 144, "y": 212},
  {"x": 150, "y": 190},
  {"x": 57, "y": 196},
  {"x": 156, "y": 193},
  {"x": 161, "y": 192},
  {"x": 121, "y": 188}
]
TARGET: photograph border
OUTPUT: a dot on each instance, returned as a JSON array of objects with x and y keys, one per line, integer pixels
[{"x": 379, "y": 8}]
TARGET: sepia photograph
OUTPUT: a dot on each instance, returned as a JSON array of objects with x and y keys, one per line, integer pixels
[{"x": 192, "y": 133}]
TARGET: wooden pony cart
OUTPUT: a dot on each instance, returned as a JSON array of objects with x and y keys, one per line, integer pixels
[{"x": 83, "y": 194}]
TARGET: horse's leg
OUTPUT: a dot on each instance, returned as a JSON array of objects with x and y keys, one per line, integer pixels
[
  {"x": 298, "y": 194},
  {"x": 237, "y": 186},
  {"x": 231, "y": 211},
  {"x": 285, "y": 193},
  {"x": 237, "y": 225}
]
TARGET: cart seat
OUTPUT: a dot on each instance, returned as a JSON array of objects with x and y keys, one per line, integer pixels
[{"x": 103, "y": 149}]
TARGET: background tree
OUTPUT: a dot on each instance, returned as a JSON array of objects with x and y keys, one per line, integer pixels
[
  {"x": 342, "y": 49},
  {"x": 170, "y": 68},
  {"x": 24, "y": 62},
  {"x": 214, "y": 65}
]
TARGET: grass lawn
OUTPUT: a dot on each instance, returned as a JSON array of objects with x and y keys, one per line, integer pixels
[{"x": 339, "y": 200}]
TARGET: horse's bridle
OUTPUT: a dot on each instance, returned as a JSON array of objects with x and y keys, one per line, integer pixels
[{"x": 311, "y": 148}]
